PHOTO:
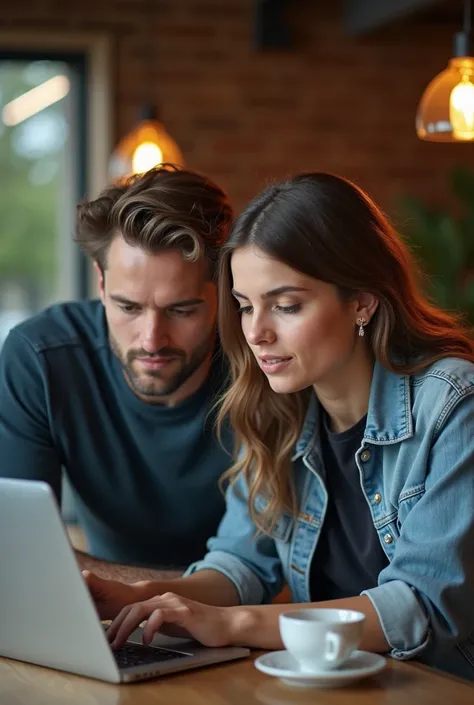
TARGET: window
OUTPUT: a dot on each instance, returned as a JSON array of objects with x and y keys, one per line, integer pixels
[
  {"x": 42, "y": 176},
  {"x": 48, "y": 161}
]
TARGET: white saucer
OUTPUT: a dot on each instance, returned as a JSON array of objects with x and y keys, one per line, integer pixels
[{"x": 285, "y": 667}]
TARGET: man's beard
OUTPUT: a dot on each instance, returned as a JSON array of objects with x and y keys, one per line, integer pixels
[{"x": 145, "y": 384}]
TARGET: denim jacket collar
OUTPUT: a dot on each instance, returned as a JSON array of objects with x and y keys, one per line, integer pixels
[{"x": 389, "y": 417}]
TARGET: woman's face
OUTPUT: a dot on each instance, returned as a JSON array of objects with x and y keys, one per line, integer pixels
[{"x": 300, "y": 330}]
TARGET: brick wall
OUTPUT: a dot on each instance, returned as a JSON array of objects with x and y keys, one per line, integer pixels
[{"x": 331, "y": 102}]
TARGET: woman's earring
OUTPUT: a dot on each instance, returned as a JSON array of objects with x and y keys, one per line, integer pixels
[{"x": 361, "y": 323}]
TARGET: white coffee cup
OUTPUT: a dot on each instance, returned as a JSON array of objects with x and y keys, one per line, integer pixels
[{"x": 321, "y": 639}]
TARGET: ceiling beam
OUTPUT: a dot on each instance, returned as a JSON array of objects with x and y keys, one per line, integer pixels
[{"x": 363, "y": 16}]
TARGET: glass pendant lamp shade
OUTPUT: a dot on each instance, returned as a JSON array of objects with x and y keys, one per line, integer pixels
[
  {"x": 446, "y": 110},
  {"x": 148, "y": 145}
]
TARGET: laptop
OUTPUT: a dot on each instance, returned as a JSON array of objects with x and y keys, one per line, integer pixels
[{"x": 47, "y": 616}]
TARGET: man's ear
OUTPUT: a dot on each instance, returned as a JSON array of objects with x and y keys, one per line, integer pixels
[{"x": 100, "y": 281}]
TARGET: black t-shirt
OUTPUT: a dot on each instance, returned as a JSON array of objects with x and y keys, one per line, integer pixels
[{"x": 349, "y": 556}]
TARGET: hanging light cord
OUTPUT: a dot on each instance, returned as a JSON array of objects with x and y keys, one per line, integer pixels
[
  {"x": 148, "y": 54},
  {"x": 467, "y": 16}
]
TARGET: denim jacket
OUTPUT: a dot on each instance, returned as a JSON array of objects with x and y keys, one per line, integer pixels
[{"x": 416, "y": 466}]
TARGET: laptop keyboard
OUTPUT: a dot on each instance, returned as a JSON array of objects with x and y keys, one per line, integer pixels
[{"x": 139, "y": 655}]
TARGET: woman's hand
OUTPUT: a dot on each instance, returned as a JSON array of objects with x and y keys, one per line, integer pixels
[
  {"x": 173, "y": 615},
  {"x": 110, "y": 596}
]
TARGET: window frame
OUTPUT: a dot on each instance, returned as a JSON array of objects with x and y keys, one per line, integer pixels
[{"x": 89, "y": 55}]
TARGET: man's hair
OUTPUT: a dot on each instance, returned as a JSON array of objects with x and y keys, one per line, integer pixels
[{"x": 164, "y": 208}]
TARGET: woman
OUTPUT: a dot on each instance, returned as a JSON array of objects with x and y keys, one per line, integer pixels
[{"x": 352, "y": 398}]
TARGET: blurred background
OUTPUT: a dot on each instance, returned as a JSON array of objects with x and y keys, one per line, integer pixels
[{"x": 247, "y": 91}]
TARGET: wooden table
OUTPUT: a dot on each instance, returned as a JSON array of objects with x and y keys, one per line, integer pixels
[{"x": 237, "y": 683}]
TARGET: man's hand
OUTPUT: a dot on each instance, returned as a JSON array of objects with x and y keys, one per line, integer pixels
[
  {"x": 110, "y": 596},
  {"x": 123, "y": 572}
]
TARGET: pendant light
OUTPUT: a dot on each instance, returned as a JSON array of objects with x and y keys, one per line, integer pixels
[
  {"x": 148, "y": 144},
  {"x": 446, "y": 109}
]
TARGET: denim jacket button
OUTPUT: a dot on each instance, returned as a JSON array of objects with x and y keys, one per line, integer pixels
[
  {"x": 377, "y": 498},
  {"x": 365, "y": 456},
  {"x": 388, "y": 538}
]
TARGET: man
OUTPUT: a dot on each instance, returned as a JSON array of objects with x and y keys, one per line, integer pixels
[{"x": 119, "y": 393}]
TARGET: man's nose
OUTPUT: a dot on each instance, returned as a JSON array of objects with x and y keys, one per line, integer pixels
[{"x": 155, "y": 332}]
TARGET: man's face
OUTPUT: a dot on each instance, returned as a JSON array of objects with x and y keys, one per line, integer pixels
[{"x": 161, "y": 314}]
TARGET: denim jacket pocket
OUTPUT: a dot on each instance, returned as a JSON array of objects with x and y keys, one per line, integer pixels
[
  {"x": 407, "y": 500},
  {"x": 283, "y": 527}
]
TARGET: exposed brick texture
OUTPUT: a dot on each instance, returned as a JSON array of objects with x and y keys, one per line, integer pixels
[{"x": 243, "y": 116}]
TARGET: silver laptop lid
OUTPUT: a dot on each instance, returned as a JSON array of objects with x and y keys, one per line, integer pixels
[{"x": 47, "y": 616}]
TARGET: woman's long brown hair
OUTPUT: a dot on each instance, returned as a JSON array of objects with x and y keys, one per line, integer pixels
[{"x": 327, "y": 228}]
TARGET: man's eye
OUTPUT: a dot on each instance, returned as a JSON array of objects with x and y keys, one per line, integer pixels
[{"x": 128, "y": 308}]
